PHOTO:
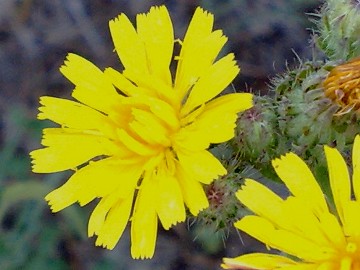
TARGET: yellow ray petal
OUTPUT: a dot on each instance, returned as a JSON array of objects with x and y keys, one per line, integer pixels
[
  {"x": 135, "y": 145},
  {"x": 356, "y": 167},
  {"x": 308, "y": 225},
  {"x": 257, "y": 261},
  {"x": 270, "y": 206},
  {"x": 198, "y": 51},
  {"x": 352, "y": 219},
  {"x": 190, "y": 138},
  {"x": 98, "y": 179},
  {"x": 201, "y": 165},
  {"x": 280, "y": 213},
  {"x": 212, "y": 83},
  {"x": 93, "y": 88},
  {"x": 154, "y": 87},
  {"x": 156, "y": 31},
  {"x": 144, "y": 222},
  {"x": 115, "y": 223},
  {"x": 122, "y": 83},
  {"x": 165, "y": 112},
  {"x": 339, "y": 180},
  {"x": 299, "y": 247},
  {"x": 235, "y": 102},
  {"x": 67, "y": 150},
  {"x": 98, "y": 216},
  {"x": 200, "y": 26},
  {"x": 195, "y": 61},
  {"x": 300, "y": 181},
  {"x": 73, "y": 115},
  {"x": 128, "y": 45},
  {"x": 149, "y": 128},
  {"x": 217, "y": 121},
  {"x": 169, "y": 201},
  {"x": 192, "y": 191},
  {"x": 332, "y": 229}
]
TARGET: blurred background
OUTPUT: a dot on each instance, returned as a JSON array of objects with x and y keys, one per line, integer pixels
[{"x": 267, "y": 36}]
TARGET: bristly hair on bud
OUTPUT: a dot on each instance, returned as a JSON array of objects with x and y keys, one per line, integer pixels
[{"x": 338, "y": 29}]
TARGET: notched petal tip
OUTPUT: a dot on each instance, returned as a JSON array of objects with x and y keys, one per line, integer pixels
[
  {"x": 196, "y": 211},
  {"x": 100, "y": 243},
  {"x": 70, "y": 57},
  {"x": 168, "y": 225},
  {"x": 200, "y": 11},
  {"x": 276, "y": 162},
  {"x": 36, "y": 164},
  {"x": 117, "y": 19},
  {"x": 53, "y": 207}
]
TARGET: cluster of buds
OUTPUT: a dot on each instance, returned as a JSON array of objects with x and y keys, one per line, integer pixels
[{"x": 315, "y": 104}]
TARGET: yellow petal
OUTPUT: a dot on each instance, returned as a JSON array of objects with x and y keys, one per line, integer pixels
[
  {"x": 93, "y": 88},
  {"x": 339, "y": 180},
  {"x": 154, "y": 87},
  {"x": 135, "y": 145},
  {"x": 200, "y": 27},
  {"x": 129, "y": 47},
  {"x": 121, "y": 82},
  {"x": 352, "y": 219},
  {"x": 144, "y": 222},
  {"x": 356, "y": 167},
  {"x": 212, "y": 83},
  {"x": 115, "y": 223},
  {"x": 332, "y": 229},
  {"x": 308, "y": 225},
  {"x": 270, "y": 206},
  {"x": 300, "y": 181},
  {"x": 201, "y": 165},
  {"x": 196, "y": 59},
  {"x": 98, "y": 216},
  {"x": 156, "y": 32},
  {"x": 235, "y": 102},
  {"x": 299, "y": 247},
  {"x": 67, "y": 150},
  {"x": 281, "y": 213},
  {"x": 257, "y": 261},
  {"x": 198, "y": 51},
  {"x": 169, "y": 201},
  {"x": 98, "y": 179},
  {"x": 191, "y": 138},
  {"x": 165, "y": 112},
  {"x": 192, "y": 191},
  {"x": 305, "y": 223},
  {"x": 73, "y": 115},
  {"x": 126, "y": 86},
  {"x": 217, "y": 121},
  {"x": 149, "y": 128}
]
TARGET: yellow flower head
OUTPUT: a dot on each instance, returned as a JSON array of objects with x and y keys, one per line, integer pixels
[
  {"x": 302, "y": 225},
  {"x": 342, "y": 86},
  {"x": 140, "y": 137}
]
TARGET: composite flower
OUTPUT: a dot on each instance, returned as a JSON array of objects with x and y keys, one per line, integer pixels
[
  {"x": 138, "y": 139},
  {"x": 311, "y": 234},
  {"x": 342, "y": 86}
]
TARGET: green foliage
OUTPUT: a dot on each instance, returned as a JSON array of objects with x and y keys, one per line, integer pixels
[{"x": 28, "y": 238}]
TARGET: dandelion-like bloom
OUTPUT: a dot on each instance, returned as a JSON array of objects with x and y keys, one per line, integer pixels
[
  {"x": 302, "y": 225},
  {"x": 140, "y": 136},
  {"x": 342, "y": 86}
]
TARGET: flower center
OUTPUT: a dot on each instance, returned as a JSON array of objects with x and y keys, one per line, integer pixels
[
  {"x": 342, "y": 86},
  {"x": 350, "y": 260}
]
